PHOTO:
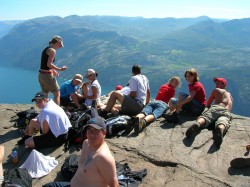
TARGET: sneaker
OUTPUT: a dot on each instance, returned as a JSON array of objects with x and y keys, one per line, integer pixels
[
  {"x": 21, "y": 142},
  {"x": 194, "y": 129},
  {"x": 174, "y": 118},
  {"x": 218, "y": 137},
  {"x": 139, "y": 125}
]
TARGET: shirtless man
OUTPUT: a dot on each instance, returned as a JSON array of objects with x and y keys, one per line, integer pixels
[
  {"x": 218, "y": 113},
  {"x": 96, "y": 166}
]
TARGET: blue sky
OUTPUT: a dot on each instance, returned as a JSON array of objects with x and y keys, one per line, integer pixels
[{"x": 28, "y": 9}]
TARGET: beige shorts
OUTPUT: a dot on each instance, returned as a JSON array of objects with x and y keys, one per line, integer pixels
[
  {"x": 217, "y": 114},
  {"x": 48, "y": 83}
]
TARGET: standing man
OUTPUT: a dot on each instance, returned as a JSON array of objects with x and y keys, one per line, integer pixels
[
  {"x": 96, "y": 165},
  {"x": 52, "y": 122},
  {"x": 48, "y": 70},
  {"x": 133, "y": 103},
  {"x": 218, "y": 113}
]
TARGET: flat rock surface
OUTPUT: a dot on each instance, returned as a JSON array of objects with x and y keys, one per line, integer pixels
[{"x": 170, "y": 158}]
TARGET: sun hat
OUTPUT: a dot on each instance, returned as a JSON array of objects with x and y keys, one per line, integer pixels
[
  {"x": 90, "y": 72},
  {"x": 78, "y": 77},
  {"x": 39, "y": 95}
]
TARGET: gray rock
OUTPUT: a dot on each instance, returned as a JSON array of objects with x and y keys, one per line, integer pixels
[{"x": 162, "y": 148}]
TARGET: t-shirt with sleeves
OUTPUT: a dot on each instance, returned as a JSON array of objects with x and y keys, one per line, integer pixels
[
  {"x": 165, "y": 93},
  {"x": 140, "y": 85},
  {"x": 200, "y": 92},
  {"x": 68, "y": 88},
  {"x": 56, "y": 117}
]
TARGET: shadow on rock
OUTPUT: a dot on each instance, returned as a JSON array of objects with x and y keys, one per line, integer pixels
[
  {"x": 10, "y": 135},
  {"x": 239, "y": 171},
  {"x": 188, "y": 141}
]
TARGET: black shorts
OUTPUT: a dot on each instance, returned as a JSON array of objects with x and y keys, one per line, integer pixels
[{"x": 49, "y": 140}]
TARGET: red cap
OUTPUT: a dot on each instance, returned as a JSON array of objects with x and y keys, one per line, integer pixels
[
  {"x": 118, "y": 87},
  {"x": 220, "y": 80}
]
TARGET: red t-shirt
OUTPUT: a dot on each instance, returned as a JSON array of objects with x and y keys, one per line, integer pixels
[
  {"x": 200, "y": 92},
  {"x": 165, "y": 93}
]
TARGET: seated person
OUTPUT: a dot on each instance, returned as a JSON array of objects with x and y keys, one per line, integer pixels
[
  {"x": 194, "y": 103},
  {"x": 218, "y": 113},
  {"x": 133, "y": 103},
  {"x": 157, "y": 107},
  {"x": 1, "y": 163},
  {"x": 96, "y": 165},
  {"x": 91, "y": 90},
  {"x": 69, "y": 92},
  {"x": 52, "y": 122}
]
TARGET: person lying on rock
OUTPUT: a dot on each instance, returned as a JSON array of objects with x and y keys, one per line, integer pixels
[
  {"x": 52, "y": 122},
  {"x": 193, "y": 103},
  {"x": 219, "y": 113},
  {"x": 157, "y": 107}
]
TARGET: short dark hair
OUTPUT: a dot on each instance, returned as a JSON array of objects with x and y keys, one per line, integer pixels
[{"x": 136, "y": 69}]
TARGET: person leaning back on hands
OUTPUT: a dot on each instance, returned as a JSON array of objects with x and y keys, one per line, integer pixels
[{"x": 48, "y": 70}]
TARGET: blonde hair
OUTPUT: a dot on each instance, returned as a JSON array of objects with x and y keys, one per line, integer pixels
[
  {"x": 175, "y": 78},
  {"x": 192, "y": 72}
]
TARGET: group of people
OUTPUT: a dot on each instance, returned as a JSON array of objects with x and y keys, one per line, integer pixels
[{"x": 96, "y": 159}]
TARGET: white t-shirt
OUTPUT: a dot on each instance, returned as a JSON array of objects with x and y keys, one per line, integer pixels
[
  {"x": 139, "y": 84},
  {"x": 96, "y": 84},
  {"x": 56, "y": 117}
]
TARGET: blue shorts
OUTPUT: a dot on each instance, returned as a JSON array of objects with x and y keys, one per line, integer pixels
[
  {"x": 156, "y": 108},
  {"x": 193, "y": 107}
]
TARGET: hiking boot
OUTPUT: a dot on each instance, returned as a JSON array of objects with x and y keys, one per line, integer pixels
[
  {"x": 218, "y": 137},
  {"x": 139, "y": 125},
  {"x": 130, "y": 125},
  {"x": 21, "y": 142},
  {"x": 240, "y": 163},
  {"x": 192, "y": 130},
  {"x": 174, "y": 118}
]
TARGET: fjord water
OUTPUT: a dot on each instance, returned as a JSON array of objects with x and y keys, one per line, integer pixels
[{"x": 18, "y": 86}]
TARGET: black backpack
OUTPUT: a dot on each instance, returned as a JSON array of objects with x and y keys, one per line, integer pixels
[
  {"x": 69, "y": 167},
  {"x": 23, "y": 118},
  {"x": 77, "y": 134},
  {"x": 17, "y": 177}
]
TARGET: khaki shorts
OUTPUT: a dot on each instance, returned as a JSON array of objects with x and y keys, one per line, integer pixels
[
  {"x": 48, "y": 83},
  {"x": 217, "y": 114}
]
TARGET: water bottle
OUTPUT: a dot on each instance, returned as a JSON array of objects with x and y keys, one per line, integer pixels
[{"x": 14, "y": 157}]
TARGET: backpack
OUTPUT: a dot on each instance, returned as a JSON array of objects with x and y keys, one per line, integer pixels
[
  {"x": 116, "y": 125},
  {"x": 69, "y": 167},
  {"x": 23, "y": 118},
  {"x": 17, "y": 177},
  {"x": 77, "y": 133}
]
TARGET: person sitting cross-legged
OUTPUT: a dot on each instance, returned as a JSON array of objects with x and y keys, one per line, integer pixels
[
  {"x": 157, "y": 107},
  {"x": 218, "y": 113}
]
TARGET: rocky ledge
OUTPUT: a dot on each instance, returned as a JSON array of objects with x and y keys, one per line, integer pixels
[{"x": 170, "y": 158}]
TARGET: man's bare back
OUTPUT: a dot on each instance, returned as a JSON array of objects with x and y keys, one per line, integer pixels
[{"x": 222, "y": 97}]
